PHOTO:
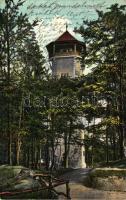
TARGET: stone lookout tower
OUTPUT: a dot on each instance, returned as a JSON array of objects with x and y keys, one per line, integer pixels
[{"x": 65, "y": 56}]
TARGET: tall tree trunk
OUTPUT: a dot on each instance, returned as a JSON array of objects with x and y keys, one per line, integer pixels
[
  {"x": 114, "y": 144},
  {"x": 18, "y": 142},
  {"x": 47, "y": 155},
  {"x": 53, "y": 155},
  {"x": 28, "y": 157},
  {"x": 92, "y": 150},
  {"x": 121, "y": 128},
  {"x": 18, "y": 149},
  {"x": 35, "y": 153},
  {"x": 8, "y": 69},
  {"x": 107, "y": 146},
  {"x": 66, "y": 159},
  {"x": 32, "y": 153},
  {"x": 67, "y": 139}
]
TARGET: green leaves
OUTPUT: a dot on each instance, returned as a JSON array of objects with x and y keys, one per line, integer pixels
[{"x": 105, "y": 38}]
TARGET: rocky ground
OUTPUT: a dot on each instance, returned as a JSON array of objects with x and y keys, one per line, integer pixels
[
  {"x": 78, "y": 191},
  {"x": 14, "y": 179},
  {"x": 17, "y": 178}
]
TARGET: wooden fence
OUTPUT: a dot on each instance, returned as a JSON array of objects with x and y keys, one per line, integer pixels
[{"x": 48, "y": 182}]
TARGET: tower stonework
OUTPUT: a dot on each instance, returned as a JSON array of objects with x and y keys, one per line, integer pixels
[{"x": 65, "y": 56}]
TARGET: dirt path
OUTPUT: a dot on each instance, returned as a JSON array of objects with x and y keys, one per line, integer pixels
[{"x": 78, "y": 191}]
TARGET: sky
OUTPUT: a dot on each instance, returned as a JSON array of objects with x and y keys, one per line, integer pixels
[
  {"x": 54, "y": 14},
  {"x": 75, "y": 11}
]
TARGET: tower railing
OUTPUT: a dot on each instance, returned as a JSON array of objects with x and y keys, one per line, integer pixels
[{"x": 67, "y": 53}]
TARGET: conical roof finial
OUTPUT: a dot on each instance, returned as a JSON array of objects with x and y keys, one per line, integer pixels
[{"x": 66, "y": 26}]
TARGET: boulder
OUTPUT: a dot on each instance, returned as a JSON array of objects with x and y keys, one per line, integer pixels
[
  {"x": 27, "y": 183},
  {"x": 17, "y": 178},
  {"x": 109, "y": 179}
]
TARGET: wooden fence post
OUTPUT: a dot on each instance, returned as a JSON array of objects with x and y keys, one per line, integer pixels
[
  {"x": 68, "y": 190},
  {"x": 50, "y": 187}
]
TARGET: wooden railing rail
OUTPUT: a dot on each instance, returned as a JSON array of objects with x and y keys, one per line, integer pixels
[{"x": 50, "y": 184}]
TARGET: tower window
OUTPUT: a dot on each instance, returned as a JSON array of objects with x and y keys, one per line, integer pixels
[{"x": 65, "y": 74}]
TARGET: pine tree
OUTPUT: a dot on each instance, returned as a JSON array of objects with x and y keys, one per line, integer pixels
[
  {"x": 105, "y": 38},
  {"x": 17, "y": 69}
]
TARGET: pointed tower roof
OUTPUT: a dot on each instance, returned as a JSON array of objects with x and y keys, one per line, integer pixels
[{"x": 66, "y": 36}]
